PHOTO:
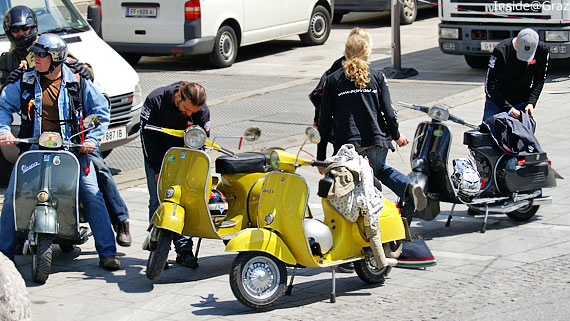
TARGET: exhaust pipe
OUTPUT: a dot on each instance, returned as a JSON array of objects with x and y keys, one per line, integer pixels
[
  {"x": 547, "y": 200},
  {"x": 510, "y": 207}
]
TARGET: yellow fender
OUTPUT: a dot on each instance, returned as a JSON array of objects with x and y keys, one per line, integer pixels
[
  {"x": 261, "y": 240},
  {"x": 169, "y": 216}
]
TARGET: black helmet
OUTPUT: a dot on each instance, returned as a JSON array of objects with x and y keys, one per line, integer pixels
[
  {"x": 54, "y": 46},
  {"x": 21, "y": 16}
]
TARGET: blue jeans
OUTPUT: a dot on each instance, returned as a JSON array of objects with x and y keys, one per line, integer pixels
[
  {"x": 391, "y": 177},
  {"x": 95, "y": 211},
  {"x": 118, "y": 211},
  {"x": 182, "y": 244},
  {"x": 492, "y": 109}
]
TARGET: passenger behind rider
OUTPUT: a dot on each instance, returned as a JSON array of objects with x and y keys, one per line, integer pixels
[
  {"x": 356, "y": 105},
  {"x": 50, "y": 79},
  {"x": 176, "y": 106},
  {"x": 516, "y": 74},
  {"x": 21, "y": 28}
]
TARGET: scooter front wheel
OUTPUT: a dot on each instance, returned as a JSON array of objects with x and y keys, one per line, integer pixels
[
  {"x": 41, "y": 258},
  {"x": 258, "y": 279},
  {"x": 158, "y": 254}
]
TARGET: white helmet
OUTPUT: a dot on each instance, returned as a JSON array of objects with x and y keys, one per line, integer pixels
[
  {"x": 465, "y": 178},
  {"x": 318, "y": 235}
]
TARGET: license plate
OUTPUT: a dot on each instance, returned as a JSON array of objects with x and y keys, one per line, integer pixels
[
  {"x": 116, "y": 133},
  {"x": 141, "y": 12},
  {"x": 488, "y": 45}
]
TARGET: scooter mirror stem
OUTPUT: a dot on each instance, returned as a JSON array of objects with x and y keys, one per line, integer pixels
[{"x": 299, "y": 152}]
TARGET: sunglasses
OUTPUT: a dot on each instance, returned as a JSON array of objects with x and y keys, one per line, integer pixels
[
  {"x": 41, "y": 54},
  {"x": 17, "y": 29}
]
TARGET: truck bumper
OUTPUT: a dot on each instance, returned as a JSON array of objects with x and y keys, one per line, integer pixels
[{"x": 471, "y": 36}]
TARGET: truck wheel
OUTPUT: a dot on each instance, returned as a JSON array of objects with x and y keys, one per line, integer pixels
[
  {"x": 523, "y": 213},
  {"x": 367, "y": 270},
  {"x": 477, "y": 62},
  {"x": 131, "y": 58},
  {"x": 257, "y": 279},
  {"x": 225, "y": 48},
  {"x": 408, "y": 12},
  {"x": 319, "y": 27},
  {"x": 158, "y": 254},
  {"x": 41, "y": 258}
]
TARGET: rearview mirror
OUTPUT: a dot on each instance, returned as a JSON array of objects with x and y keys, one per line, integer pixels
[
  {"x": 252, "y": 134},
  {"x": 313, "y": 135}
]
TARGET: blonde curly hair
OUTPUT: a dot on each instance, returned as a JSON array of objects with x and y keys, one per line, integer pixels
[{"x": 357, "y": 51}]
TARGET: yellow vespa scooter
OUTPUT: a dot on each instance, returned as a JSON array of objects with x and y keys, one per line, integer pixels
[
  {"x": 184, "y": 188},
  {"x": 286, "y": 237}
]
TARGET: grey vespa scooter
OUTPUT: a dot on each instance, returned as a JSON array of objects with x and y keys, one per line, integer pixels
[{"x": 46, "y": 198}]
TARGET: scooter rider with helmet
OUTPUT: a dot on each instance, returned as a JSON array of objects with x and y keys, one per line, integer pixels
[
  {"x": 21, "y": 28},
  {"x": 49, "y": 85}
]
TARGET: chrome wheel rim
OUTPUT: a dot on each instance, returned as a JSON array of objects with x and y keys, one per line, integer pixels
[
  {"x": 260, "y": 277},
  {"x": 372, "y": 266},
  {"x": 226, "y": 46},
  {"x": 318, "y": 26}
]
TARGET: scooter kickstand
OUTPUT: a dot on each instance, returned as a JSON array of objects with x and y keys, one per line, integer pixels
[
  {"x": 198, "y": 248},
  {"x": 290, "y": 286},
  {"x": 450, "y": 215},
  {"x": 484, "y": 227},
  {"x": 333, "y": 293}
]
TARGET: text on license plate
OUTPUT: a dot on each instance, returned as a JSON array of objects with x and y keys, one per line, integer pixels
[
  {"x": 141, "y": 12},
  {"x": 488, "y": 46},
  {"x": 116, "y": 133}
]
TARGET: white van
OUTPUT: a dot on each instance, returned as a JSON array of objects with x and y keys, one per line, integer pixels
[
  {"x": 114, "y": 77},
  {"x": 214, "y": 27}
]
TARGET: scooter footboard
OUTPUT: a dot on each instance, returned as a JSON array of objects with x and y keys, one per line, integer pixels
[
  {"x": 169, "y": 216},
  {"x": 261, "y": 240}
]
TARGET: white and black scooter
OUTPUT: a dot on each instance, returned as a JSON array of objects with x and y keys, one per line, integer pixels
[
  {"x": 500, "y": 183},
  {"x": 46, "y": 198}
]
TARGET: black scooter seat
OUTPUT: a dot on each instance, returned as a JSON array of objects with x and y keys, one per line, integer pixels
[
  {"x": 250, "y": 162},
  {"x": 474, "y": 138}
]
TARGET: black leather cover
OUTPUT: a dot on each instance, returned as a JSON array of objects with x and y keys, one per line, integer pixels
[
  {"x": 250, "y": 162},
  {"x": 476, "y": 138},
  {"x": 325, "y": 186}
]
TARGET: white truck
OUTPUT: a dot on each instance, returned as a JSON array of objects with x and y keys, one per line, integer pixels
[
  {"x": 214, "y": 27},
  {"x": 474, "y": 27}
]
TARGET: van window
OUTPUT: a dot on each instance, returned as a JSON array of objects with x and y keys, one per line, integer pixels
[{"x": 55, "y": 16}]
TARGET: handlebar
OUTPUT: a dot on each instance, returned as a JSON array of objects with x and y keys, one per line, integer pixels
[
  {"x": 436, "y": 115},
  {"x": 320, "y": 163}
]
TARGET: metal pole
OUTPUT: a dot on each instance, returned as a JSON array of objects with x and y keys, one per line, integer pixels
[{"x": 395, "y": 24}]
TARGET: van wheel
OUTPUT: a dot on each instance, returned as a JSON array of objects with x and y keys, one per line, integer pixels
[
  {"x": 225, "y": 48},
  {"x": 132, "y": 59},
  {"x": 477, "y": 62},
  {"x": 408, "y": 12},
  {"x": 319, "y": 27}
]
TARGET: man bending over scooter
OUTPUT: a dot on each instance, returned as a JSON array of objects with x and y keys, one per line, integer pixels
[
  {"x": 176, "y": 106},
  {"x": 50, "y": 80}
]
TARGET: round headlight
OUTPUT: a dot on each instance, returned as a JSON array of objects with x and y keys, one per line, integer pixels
[
  {"x": 269, "y": 218},
  {"x": 43, "y": 196},
  {"x": 195, "y": 137},
  {"x": 169, "y": 192},
  {"x": 274, "y": 159}
]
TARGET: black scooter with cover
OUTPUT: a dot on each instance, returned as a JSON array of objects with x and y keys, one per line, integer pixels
[{"x": 498, "y": 182}]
